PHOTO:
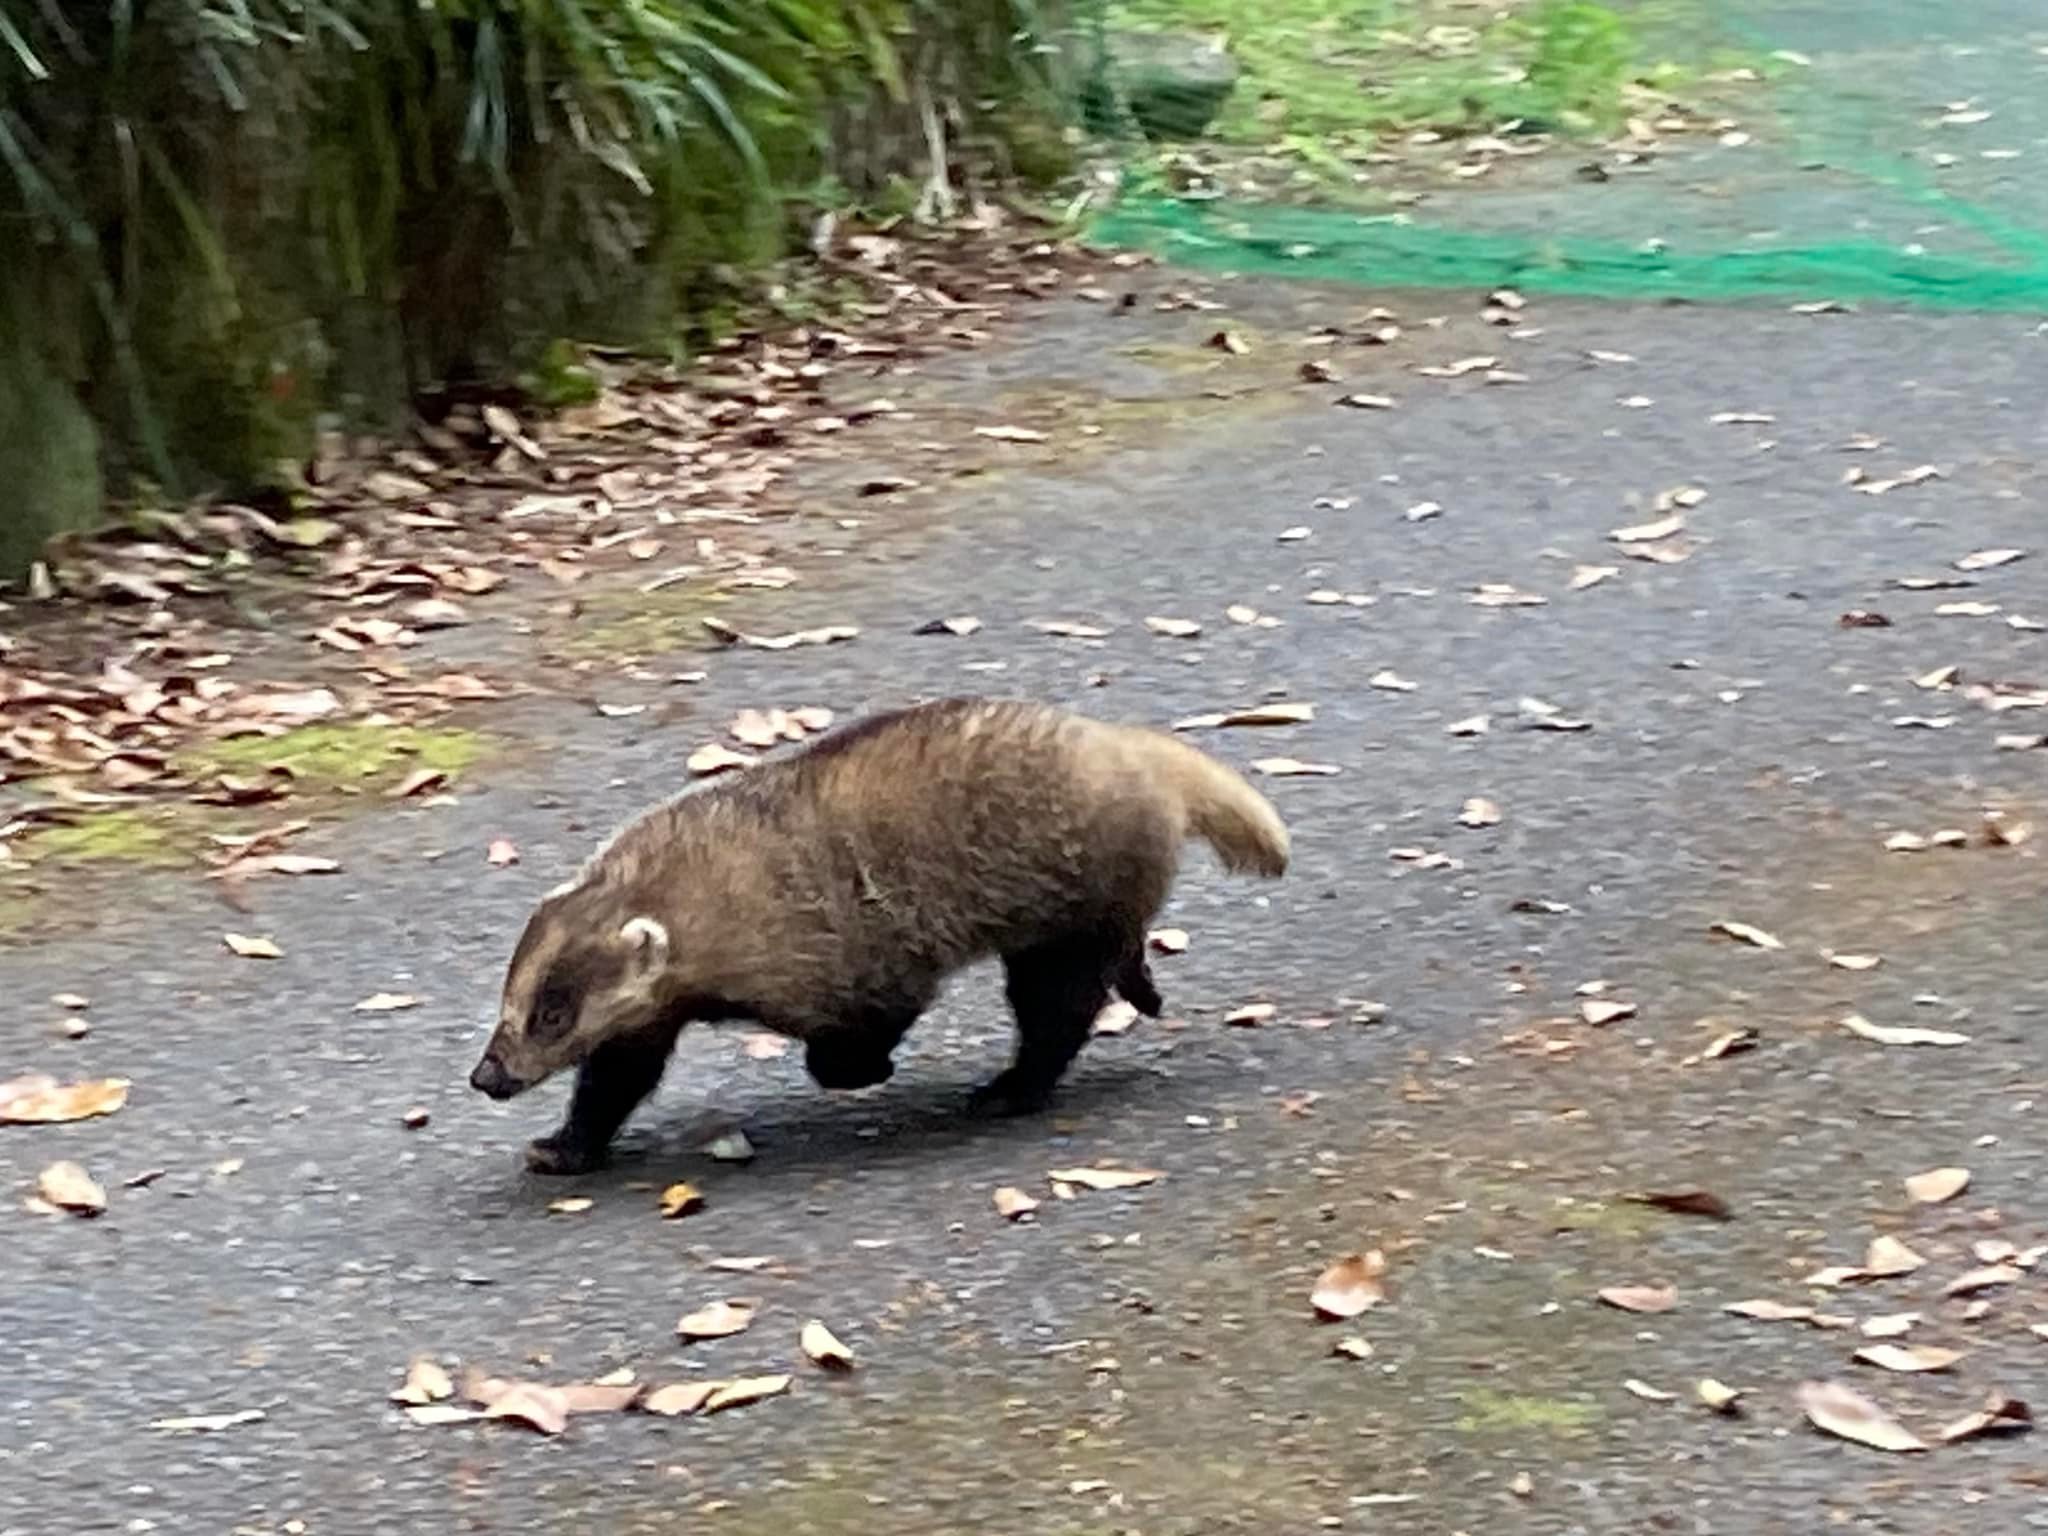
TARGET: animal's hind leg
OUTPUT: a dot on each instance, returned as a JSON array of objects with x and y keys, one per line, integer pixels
[
  {"x": 609, "y": 1086},
  {"x": 1134, "y": 984},
  {"x": 1055, "y": 990}
]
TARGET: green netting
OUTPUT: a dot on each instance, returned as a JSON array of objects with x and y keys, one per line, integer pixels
[{"x": 1856, "y": 150}]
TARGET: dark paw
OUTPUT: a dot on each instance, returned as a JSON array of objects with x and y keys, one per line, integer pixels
[
  {"x": 843, "y": 1072},
  {"x": 557, "y": 1154},
  {"x": 1009, "y": 1094}
]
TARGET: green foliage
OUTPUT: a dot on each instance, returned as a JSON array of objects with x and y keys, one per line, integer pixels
[{"x": 229, "y": 215}]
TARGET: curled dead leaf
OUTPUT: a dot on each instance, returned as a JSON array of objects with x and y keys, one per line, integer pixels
[
  {"x": 35, "y": 1098},
  {"x": 68, "y": 1187},
  {"x": 1888, "y": 1258},
  {"x": 716, "y": 1320},
  {"x": 502, "y": 852},
  {"x": 1012, "y": 1203},
  {"x": 680, "y": 1200},
  {"x": 1646, "y": 1392},
  {"x": 1748, "y": 934},
  {"x": 571, "y": 1205},
  {"x": 1605, "y": 1010},
  {"x": 743, "y": 1390},
  {"x": 1479, "y": 812},
  {"x": 1937, "y": 1185},
  {"x": 1687, "y": 1202},
  {"x": 1168, "y": 941},
  {"x": 1885, "y": 1034},
  {"x": 425, "y": 1382},
  {"x": 824, "y": 1348},
  {"x": 530, "y": 1403},
  {"x": 681, "y": 1399},
  {"x": 1349, "y": 1286},
  {"x": 1718, "y": 1396},
  {"x": 1293, "y": 768},
  {"x": 2000, "y": 1414},
  {"x": 1847, "y": 1413},
  {"x": 1105, "y": 1178},
  {"x": 1258, "y": 714},
  {"x": 1641, "y": 1298},
  {"x": 252, "y": 946},
  {"x": 1908, "y": 1358},
  {"x": 1984, "y": 1279},
  {"x": 716, "y": 758}
]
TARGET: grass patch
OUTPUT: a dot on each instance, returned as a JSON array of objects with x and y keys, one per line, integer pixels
[
  {"x": 619, "y": 625},
  {"x": 339, "y": 756},
  {"x": 1488, "y": 1412},
  {"x": 107, "y": 837}
]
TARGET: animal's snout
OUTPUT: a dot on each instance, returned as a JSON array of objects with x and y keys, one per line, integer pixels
[{"x": 490, "y": 1077}]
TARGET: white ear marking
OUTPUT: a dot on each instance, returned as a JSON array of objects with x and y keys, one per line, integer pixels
[{"x": 644, "y": 933}]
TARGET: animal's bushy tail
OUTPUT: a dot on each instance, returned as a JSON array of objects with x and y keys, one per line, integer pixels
[{"x": 1221, "y": 807}]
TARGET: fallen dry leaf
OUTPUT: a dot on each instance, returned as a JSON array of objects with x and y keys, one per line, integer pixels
[
  {"x": 1853, "y": 962},
  {"x": 1173, "y": 629},
  {"x": 571, "y": 1205},
  {"x": 68, "y": 1187},
  {"x": 1258, "y": 714},
  {"x": 732, "y": 1147},
  {"x": 1937, "y": 1184},
  {"x": 681, "y": 1399},
  {"x": 1105, "y": 1178},
  {"x": 1748, "y": 934},
  {"x": 1069, "y": 629},
  {"x": 1169, "y": 941},
  {"x": 252, "y": 946},
  {"x": 1006, "y": 434},
  {"x": 1888, "y": 1258},
  {"x": 1471, "y": 725},
  {"x": 1649, "y": 533},
  {"x": 425, "y": 1382},
  {"x": 1843, "y": 1411},
  {"x": 2000, "y": 1414},
  {"x": 1885, "y": 1034},
  {"x": 1908, "y": 1358},
  {"x": 828, "y": 634},
  {"x": 1293, "y": 768},
  {"x": 1718, "y": 1396},
  {"x": 1646, "y": 1392},
  {"x": 743, "y": 1390},
  {"x": 716, "y": 758},
  {"x": 1732, "y": 1043},
  {"x": 528, "y": 1402},
  {"x": 502, "y": 851},
  {"x": 1687, "y": 1202},
  {"x": 1641, "y": 1298},
  {"x": 1889, "y": 1326},
  {"x": 1352, "y": 1347},
  {"x": 1349, "y": 1286},
  {"x": 680, "y": 1200},
  {"x": 1250, "y": 1015},
  {"x": 207, "y": 1423},
  {"x": 1584, "y": 576},
  {"x": 1984, "y": 1279},
  {"x": 1767, "y": 1311},
  {"x": 35, "y": 1098},
  {"x": 1391, "y": 682},
  {"x": 824, "y": 1348},
  {"x": 387, "y": 1002},
  {"x": 716, "y": 1320},
  {"x": 1012, "y": 1203},
  {"x": 1479, "y": 812},
  {"x": 961, "y": 626},
  {"x": 1985, "y": 559},
  {"x": 1603, "y": 1010}
]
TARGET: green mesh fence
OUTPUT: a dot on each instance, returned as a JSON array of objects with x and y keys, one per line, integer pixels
[{"x": 1885, "y": 151}]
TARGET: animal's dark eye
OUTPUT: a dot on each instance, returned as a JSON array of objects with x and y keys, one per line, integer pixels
[{"x": 553, "y": 1013}]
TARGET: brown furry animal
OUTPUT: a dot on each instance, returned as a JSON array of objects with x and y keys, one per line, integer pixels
[{"x": 829, "y": 893}]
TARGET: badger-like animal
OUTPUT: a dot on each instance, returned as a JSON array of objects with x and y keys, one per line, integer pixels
[{"x": 827, "y": 895}]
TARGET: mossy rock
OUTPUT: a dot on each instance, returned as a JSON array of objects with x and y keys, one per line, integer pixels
[{"x": 1173, "y": 84}]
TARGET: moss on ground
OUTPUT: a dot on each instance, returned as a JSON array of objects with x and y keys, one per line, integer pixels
[
  {"x": 340, "y": 756},
  {"x": 1488, "y": 1412}
]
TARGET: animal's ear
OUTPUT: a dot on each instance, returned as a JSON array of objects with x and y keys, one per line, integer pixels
[{"x": 646, "y": 944}]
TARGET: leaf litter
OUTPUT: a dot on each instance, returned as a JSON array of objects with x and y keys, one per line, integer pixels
[
  {"x": 1844, "y": 1412},
  {"x": 36, "y": 1098},
  {"x": 1350, "y": 1286}
]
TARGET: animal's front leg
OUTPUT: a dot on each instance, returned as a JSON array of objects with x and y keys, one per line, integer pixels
[
  {"x": 609, "y": 1086},
  {"x": 857, "y": 1052}
]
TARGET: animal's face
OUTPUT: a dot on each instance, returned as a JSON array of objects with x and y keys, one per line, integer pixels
[{"x": 579, "y": 977}]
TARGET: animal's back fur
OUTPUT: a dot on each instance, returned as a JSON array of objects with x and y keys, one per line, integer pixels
[{"x": 852, "y": 875}]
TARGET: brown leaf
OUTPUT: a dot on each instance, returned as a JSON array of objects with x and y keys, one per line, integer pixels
[
  {"x": 1293, "y": 768},
  {"x": 716, "y": 758},
  {"x": 1258, "y": 714},
  {"x": 1012, "y": 1203},
  {"x": 1105, "y": 1178},
  {"x": 1250, "y": 1015},
  {"x": 1650, "y": 533},
  {"x": 1937, "y": 1184},
  {"x": 1908, "y": 1358},
  {"x": 387, "y": 1002},
  {"x": 1853, "y": 962},
  {"x": 425, "y": 1382},
  {"x": 35, "y": 1098},
  {"x": 1986, "y": 559},
  {"x": 716, "y": 1320},
  {"x": 680, "y": 1200},
  {"x": 1687, "y": 1202},
  {"x": 503, "y": 851},
  {"x": 435, "y": 613},
  {"x": 1173, "y": 629},
  {"x": 745, "y": 1389},
  {"x": 1890, "y": 1326},
  {"x": 1767, "y": 1311},
  {"x": 824, "y": 1347},
  {"x": 2000, "y": 1414},
  {"x": 1605, "y": 1010},
  {"x": 529, "y": 1403},
  {"x": 615, "y": 1394},
  {"x": 1168, "y": 941},
  {"x": 1885, "y": 1034},
  {"x": 681, "y": 1399},
  {"x": 1843, "y": 1411},
  {"x": 1349, "y": 1286},
  {"x": 1641, "y": 1298},
  {"x": 1479, "y": 812},
  {"x": 1748, "y": 934},
  {"x": 1733, "y": 1043},
  {"x": 68, "y": 1187},
  {"x": 418, "y": 782},
  {"x": 1888, "y": 1258},
  {"x": 1984, "y": 1279},
  {"x": 1718, "y": 1396},
  {"x": 252, "y": 947}
]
